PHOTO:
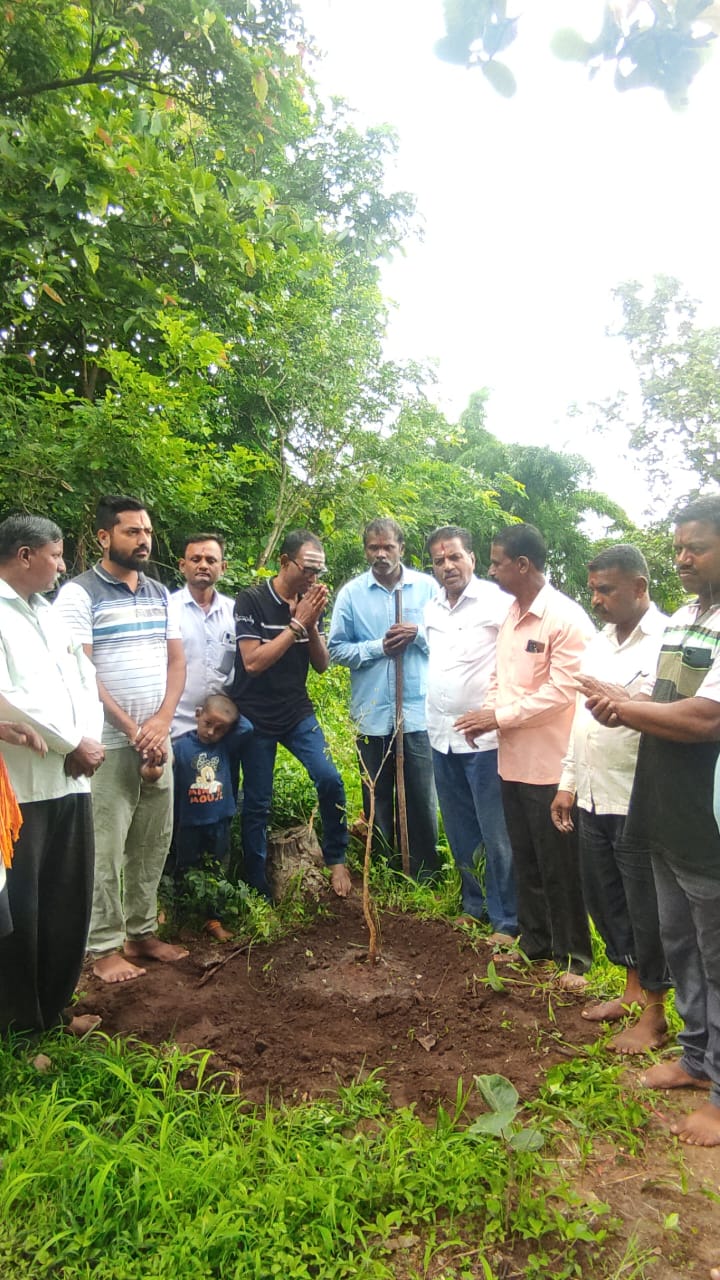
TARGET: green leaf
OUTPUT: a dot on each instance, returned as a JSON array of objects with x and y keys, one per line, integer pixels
[
  {"x": 496, "y": 1123},
  {"x": 498, "y": 1092},
  {"x": 260, "y": 86},
  {"x": 500, "y": 77},
  {"x": 526, "y": 1140},
  {"x": 92, "y": 257},
  {"x": 568, "y": 45},
  {"x": 60, "y": 176}
]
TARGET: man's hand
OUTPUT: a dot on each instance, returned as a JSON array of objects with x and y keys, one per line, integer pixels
[
  {"x": 605, "y": 710},
  {"x": 397, "y": 638},
  {"x": 19, "y": 734},
  {"x": 560, "y": 811},
  {"x": 152, "y": 735},
  {"x": 311, "y": 605},
  {"x": 473, "y": 723},
  {"x": 85, "y": 760},
  {"x": 593, "y": 688}
]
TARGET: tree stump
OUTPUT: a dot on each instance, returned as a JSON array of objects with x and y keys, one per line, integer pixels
[{"x": 295, "y": 857}]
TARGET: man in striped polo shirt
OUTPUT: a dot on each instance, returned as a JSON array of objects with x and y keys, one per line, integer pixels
[{"x": 121, "y": 619}]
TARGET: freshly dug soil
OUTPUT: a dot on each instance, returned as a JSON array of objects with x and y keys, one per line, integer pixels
[{"x": 296, "y": 1018}]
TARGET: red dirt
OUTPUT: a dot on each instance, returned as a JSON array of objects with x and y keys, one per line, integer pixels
[{"x": 294, "y": 1018}]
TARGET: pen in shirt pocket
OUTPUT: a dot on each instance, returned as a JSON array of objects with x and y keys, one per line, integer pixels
[{"x": 639, "y": 675}]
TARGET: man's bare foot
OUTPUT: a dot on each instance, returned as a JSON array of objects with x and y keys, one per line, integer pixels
[
  {"x": 151, "y": 948},
  {"x": 217, "y": 931},
  {"x": 115, "y": 968},
  {"x": 701, "y": 1128},
  {"x": 715, "y": 1273},
  {"x": 670, "y": 1075},
  {"x": 649, "y": 1032},
  {"x": 340, "y": 880},
  {"x": 500, "y": 940},
  {"x": 607, "y": 1011},
  {"x": 573, "y": 982},
  {"x": 82, "y": 1024}
]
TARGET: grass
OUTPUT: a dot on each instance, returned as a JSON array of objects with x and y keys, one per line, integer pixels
[{"x": 122, "y": 1164}]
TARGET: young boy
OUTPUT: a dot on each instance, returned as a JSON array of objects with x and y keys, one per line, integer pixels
[{"x": 204, "y": 803}]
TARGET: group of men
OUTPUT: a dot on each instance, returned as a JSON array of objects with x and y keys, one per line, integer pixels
[
  {"x": 583, "y": 764},
  {"x": 568, "y": 777}
]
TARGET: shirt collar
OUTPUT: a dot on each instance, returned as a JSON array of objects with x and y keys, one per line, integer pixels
[
  {"x": 117, "y": 582},
  {"x": 9, "y": 593},
  {"x": 403, "y": 580},
  {"x": 470, "y": 592}
]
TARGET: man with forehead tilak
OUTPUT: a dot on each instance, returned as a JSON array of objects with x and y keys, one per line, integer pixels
[
  {"x": 671, "y": 809},
  {"x": 205, "y": 618},
  {"x": 462, "y": 625},
  {"x": 598, "y": 772},
  {"x": 278, "y": 638}
]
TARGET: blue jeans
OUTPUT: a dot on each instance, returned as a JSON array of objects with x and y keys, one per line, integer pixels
[
  {"x": 307, "y": 743},
  {"x": 468, "y": 789},
  {"x": 689, "y": 910}
]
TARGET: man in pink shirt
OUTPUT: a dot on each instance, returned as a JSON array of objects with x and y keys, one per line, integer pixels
[{"x": 531, "y": 703}]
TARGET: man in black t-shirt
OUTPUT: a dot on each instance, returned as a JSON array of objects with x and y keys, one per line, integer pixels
[{"x": 278, "y": 637}]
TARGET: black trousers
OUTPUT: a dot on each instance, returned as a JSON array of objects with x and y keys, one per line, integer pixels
[
  {"x": 552, "y": 919},
  {"x": 420, "y": 794},
  {"x": 50, "y": 892}
]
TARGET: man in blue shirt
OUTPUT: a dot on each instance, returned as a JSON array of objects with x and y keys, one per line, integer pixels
[{"x": 365, "y": 637}]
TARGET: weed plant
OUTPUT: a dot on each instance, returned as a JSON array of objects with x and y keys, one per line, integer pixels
[{"x": 122, "y": 1164}]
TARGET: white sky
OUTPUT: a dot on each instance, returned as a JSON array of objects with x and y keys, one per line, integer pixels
[{"x": 533, "y": 210}]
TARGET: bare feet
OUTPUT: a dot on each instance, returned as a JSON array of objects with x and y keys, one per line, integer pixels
[
  {"x": 649, "y": 1032},
  {"x": 115, "y": 968},
  {"x": 715, "y": 1273},
  {"x": 500, "y": 939},
  {"x": 151, "y": 948},
  {"x": 608, "y": 1011},
  {"x": 340, "y": 880},
  {"x": 670, "y": 1075},
  {"x": 217, "y": 931},
  {"x": 573, "y": 982},
  {"x": 83, "y": 1023},
  {"x": 700, "y": 1129}
]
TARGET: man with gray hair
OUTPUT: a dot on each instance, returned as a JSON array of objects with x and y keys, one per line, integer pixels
[
  {"x": 48, "y": 685},
  {"x": 598, "y": 772},
  {"x": 370, "y": 634}
]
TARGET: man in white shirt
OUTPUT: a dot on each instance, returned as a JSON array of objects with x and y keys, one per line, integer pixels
[
  {"x": 461, "y": 624},
  {"x": 598, "y": 770},
  {"x": 48, "y": 684},
  {"x": 205, "y": 619}
]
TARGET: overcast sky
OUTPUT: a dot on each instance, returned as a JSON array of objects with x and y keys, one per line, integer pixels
[{"x": 532, "y": 211}]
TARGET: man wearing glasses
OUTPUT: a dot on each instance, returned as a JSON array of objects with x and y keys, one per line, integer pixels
[{"x": 278, "y": 637}]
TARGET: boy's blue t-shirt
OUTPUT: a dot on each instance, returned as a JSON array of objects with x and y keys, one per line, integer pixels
[{"x": 203, "y": 783}]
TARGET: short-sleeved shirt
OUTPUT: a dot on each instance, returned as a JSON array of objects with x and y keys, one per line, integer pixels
[
  {"x": 128, "y": 631},
  {"x": 208, "y": 638},
  {"x": 277, "y": 700},
  {"x": 203, "y": 781},
  {"x": 463, "y": 640},
  {"x": 672, "y": 798}
]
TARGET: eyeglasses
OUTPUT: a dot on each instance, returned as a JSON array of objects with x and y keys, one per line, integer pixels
[{"x": 310, "y": 570}]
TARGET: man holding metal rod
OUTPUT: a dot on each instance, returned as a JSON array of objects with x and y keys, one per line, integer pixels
[{"x": 377, "y": 631}]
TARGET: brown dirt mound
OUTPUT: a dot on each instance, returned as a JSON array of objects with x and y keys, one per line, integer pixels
[{"x": 296, "y": 1018}]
